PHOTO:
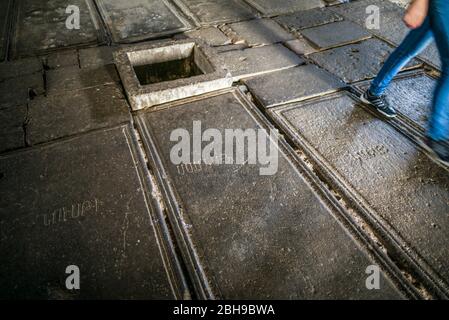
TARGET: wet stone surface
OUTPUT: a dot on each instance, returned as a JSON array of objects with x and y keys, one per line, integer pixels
[
  {"x": 75, "y": 112},
  {"x": 356, "y": 62},
  {"x": 20, "y": 67},
  {"x": 412, "y": 96},
  {"x": 292, "y": 84},
  {"x": 254, "y": 61},
  {"x": 41, "y": 26},
  {"x": 308, "y": 19},
  {"x": 335, "y": 34},
  {"x": 258, "y": 236},
  {"x": 397, "y": 181},
  {"x": 214, "y": 12},
  {"x": 270, "y": 8},
  {"x": 62, "y": 59},
  {"x": 260, "y": 32},
  {"x": 70, "y": 204},
  {"x": 134, "y": 20},
  {"x": 4, "y": 16}
]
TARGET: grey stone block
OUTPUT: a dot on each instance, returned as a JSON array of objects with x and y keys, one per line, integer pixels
[
  {"x": 17, "y": 91},
  {"x": 335, "y": 34},
  {"x": 405, "y": 191},
  {"x": 356, "y": 62},
  {"x": 300, "y": 46},
  {"x": 256, "y": 61},
  {"x": 308, "y": 19},
  {"x": 292, "y": 85},
  {"x": 272, "y": 8},
  {"x": 259, "y": 32},
  {"x": 412, "y": 96},
  {"x": 176, "y": 70},
  {"x": 62, "y": 59},
  {"x": 213, "y": 12},
  {"x": 210, "y": 35},
  {"x": 136, "y": 20},
  {"x": 19, "y": 68},
  {"x": 41, "y": 26},
  {"x": 12, "y": 134},
  {"x": 73, "y": 78},
  {"x": 75, "y": 112},
  {"x": 81, "y": 202},
  {"x": 253, "y": 236}
]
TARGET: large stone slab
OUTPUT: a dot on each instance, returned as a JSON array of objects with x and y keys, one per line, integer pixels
[
  {"x": 210, "y": 35},
  {"x": 4, "y": 27},
  {"x": 308, "y": 18},
  {"x": 41, "y": 26},
  {"x": 292, "y": 85},
  {"x": 272, "y": 8},
  {"x": 356, "y": 62},
  {"x": 335, "y": 34},
  {"x": 81, "y": 202},
  {"x": 22, "y": 67},
  {"x": 412, "y": 96},
  {"x": 62, "y": 59},
  {"x": 17, "y": 91},
  {"x": 75, "y": 112},
  {"x": 256, "y": 61},
  {"x": 404, "y": 191},
  {"x": 135, "y": 20},
  {"x": 252, "y": 236},
  {"x": 12, "y": 120},
  {"x": 259, "y": 32},
  {"x": 391, "y": 26},
  {"x": 73, "y": 78},
  {"x": 215, "y": 12}
]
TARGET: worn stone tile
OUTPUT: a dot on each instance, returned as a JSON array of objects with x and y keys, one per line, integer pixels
[
  {"x": 254, "y": 61},
  {"x": 62, "y": 59},
  {"x": 96, "y": 57},
  {"x": 41, "y": 26},
  {"x": 214, "y": 12},
  {"x": 74, "y": 78},
  {"x": 75, "y": 112},
  {"x": 259, "y": 32},
  {"x": 135, "y": 20},
  {"x": 308, "y": 19},
  {"x": 412, "y": 96},
  {"x": 19, "y": 68},
  {"x": 292, "y": 84},
  {"x": 79, "y": 202},
  {"x": 211, "y": 35},
  {"x": 356, "y": 62},
  {"x": 17, "y": 91},
  {"x": 12, "y": 134},
  {"x": 335, "y": 34},
  {"x": 401, "y": 185},
  {"x": 272, "y": 8},
  {"x": 391, "y": 25},
  {"x": 300, "y": 46},
  {"x": 4, "y": 20},
  {"x": 257, "y": 237}
]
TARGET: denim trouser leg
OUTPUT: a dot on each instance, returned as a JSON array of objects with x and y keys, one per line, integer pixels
[
  {"x": 439, "y": 22},
  {"x": 416, "y": 41}
]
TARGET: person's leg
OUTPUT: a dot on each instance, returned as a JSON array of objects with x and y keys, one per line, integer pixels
[
  {"x": 439, "y": 21},
  {"x": 416, "y": 41}
]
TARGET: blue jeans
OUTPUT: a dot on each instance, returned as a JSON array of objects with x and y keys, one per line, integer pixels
[{"x": 436, "y": 27}]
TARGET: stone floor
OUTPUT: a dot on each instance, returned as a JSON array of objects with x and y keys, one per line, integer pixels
[{"x": 86, "y": 177}]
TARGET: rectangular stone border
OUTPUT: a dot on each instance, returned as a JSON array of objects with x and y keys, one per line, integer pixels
[
  {"x": 187, "y": 24},
  {"x": 205, "y": 288},
  {"x": 397, "y": 247},
  {"x": 142, "y": 97},
  {"x": 173, "y": 269}
]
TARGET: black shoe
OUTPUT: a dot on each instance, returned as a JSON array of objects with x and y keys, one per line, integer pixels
[
  {"x": 379, "y": 103},
  {"x": 438, "y": 151}
]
